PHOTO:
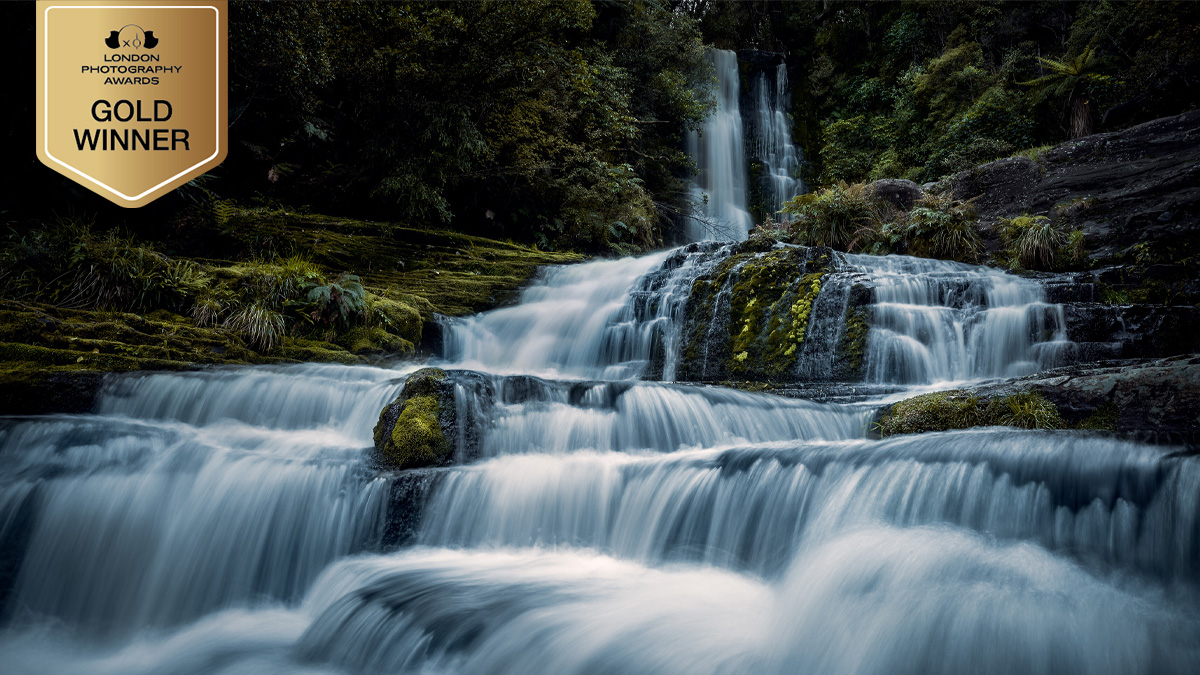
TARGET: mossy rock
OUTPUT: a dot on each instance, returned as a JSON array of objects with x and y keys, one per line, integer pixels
[
  {"x": 747, "y": 319},
  {"x": 851, "y": 361},
  {"x": 417, "y": 429},
  {"x": 957, "y": 409}
]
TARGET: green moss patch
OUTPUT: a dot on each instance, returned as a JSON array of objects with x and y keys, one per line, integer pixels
[
  {"x": 415, "y": 429},
  {"x": 417, "y": 438},
  {"x": 770, "y": 299},
  {"x": 956, "y": 409}
]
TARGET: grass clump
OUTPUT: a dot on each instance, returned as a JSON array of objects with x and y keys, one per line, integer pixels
[{"x": 1033, "y": 242}]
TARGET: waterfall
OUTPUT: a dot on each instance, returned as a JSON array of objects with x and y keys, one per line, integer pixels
[
  {"x": 773, "y": 141},
  {"x": 942, "y": 321},
  {"x": 603, "y": 320},
  {"x": 233, "y": 520},
  {"x": 719, "y": 151}
]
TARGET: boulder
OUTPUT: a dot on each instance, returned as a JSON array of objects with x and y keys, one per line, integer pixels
[
  {"x": 435, "y": 421},
  {"x": 901, "y": 193},
  {"x": 419, "y": 427}
]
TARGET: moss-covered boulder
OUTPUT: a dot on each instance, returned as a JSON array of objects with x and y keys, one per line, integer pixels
[
  {"x": 419, "y": 427},
  {"x": 1151, "y": 400},
  {"x": 957, "y": 409},
  {"x": 746, "y": 319}
]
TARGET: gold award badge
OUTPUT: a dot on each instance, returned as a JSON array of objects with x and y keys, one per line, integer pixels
[{"x": 131, "y": 95}]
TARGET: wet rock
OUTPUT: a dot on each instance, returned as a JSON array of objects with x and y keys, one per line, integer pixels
[
  {"x": 419, "y": 427},
  {"x": 1152, "y": 400}
]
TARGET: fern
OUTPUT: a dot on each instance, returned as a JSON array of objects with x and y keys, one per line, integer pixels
[{"x": 341, "y": 304}]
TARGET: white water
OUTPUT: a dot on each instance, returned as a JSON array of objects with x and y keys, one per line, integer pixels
[
  {"x": 773, "y": 140},
  {"x": 941, "y": 321},
  {"x": 230, "y": 522},
  {"x": 719, "y": 151}
]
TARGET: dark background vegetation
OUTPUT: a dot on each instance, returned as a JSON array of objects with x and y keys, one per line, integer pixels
[{"x": 561, "y": 123}]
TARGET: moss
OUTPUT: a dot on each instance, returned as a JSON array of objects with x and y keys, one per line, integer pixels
[
  {"x": 374, "y": 340},
  {"x": 770, "y": 309},
  {"x": 417, "y": 438},
  {"x": 396, "y": 316},
  {"x": 956, "y": 409},
  {"x": 852, "y": 348},
  {"x": 409, "y": 274},
  {"x": 1104, "y": 418},
  {"x": 411, "y": 430},
  {"x": 300, "y": 349},
  {"x": 770, "y": 298}
]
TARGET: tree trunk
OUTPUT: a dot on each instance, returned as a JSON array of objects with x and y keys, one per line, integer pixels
[{"x": 1081, "y": 118}]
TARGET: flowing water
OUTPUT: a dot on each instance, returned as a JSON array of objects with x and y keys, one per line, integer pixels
[
  {"x": 719, "y": 151},
  {"x": 773, "y": 140},
  {"x": 231, "y": 520}
]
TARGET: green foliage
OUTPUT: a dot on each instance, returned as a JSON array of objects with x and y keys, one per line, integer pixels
[
  {"x": 259, "y": 323},
  {"x": 832, "y": 216},
  {"x": 945, "y": 410},
  {"x": 554, "y": 121},
  {"x": 943, "y": 227},
  {"x": 1033, "y": 241},
  {"x": 341, "y": 304},
  {"x": 848, "y": 217}
]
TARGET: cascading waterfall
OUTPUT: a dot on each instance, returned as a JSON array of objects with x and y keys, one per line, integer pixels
[
  {"x": 942, "y": 321},
  {"x": 773, "y": 140},
  {"x": 720, "y": 153},
  {"x": 231, "y": 521},
  {"x": 608, "y": 320}
]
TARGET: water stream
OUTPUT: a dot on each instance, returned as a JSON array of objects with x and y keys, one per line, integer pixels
[{"x": 231, "y": 520}]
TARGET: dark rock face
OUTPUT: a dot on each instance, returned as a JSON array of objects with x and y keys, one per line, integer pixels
[
  {"x": 34, "y": 392},
  {"x": 406, "y": 505},
  {"x": 1157, "y": 400},
  {"x": 901, "y": 193},
  {"x": 1139, "y": 185}
]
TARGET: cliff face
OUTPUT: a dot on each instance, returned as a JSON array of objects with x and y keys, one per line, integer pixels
[{"x": 1134, "y": 193}]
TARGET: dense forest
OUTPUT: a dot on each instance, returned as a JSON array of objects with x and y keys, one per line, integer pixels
[{"x": 561, "y": 123}]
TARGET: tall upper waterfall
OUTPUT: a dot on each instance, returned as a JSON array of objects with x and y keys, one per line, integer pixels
[
  {"x": 773, "y": 146},
  {"x": 720, "y": 154}
]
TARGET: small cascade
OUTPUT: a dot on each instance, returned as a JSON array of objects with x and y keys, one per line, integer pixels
[
  {"x": 227, "y": 487},
  {"x": 773, "y": 147},
  {"x": 530, "y": 415},
  {"x": 720, "y": 154},
  {"x": 1104, "y": 502},
  {"x": 942, "y": 321},
  {"x": 607, "y": 320}
]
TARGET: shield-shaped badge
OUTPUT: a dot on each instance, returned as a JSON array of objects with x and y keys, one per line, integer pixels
[{"x": 131, "y": 96}]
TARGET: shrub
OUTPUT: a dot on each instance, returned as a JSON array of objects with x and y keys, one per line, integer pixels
[
  {"x": 944, "y": 227},
  {"x": 834, "y": 216}
]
